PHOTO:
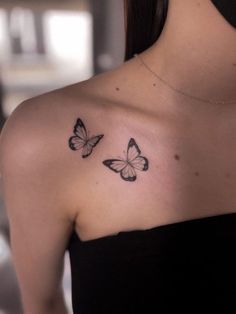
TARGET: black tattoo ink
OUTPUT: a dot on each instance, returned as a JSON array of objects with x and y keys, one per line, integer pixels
[
  {"x": 133, "y": 161},
  {"x": 81, "y": 139}
]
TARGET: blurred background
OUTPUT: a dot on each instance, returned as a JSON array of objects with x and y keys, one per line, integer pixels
[{"x": 45, "y": 45}]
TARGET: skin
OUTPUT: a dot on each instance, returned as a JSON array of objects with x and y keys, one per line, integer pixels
[{"x": 50, "y": 189}]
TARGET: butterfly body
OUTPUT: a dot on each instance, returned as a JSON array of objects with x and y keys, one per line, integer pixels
[
  {"x": 81, "y": 139},
  {"x": 133, "y": 161}
]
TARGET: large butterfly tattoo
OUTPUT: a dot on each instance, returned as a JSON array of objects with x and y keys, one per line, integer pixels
[
  {"x": 133, "y": 161},
  {"x": 81, "y": 139}
]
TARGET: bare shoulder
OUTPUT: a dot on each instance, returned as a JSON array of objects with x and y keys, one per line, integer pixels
[
  {"x": 45, "y": 157},
  {"x": 46, "y": 137},
  {"x": 46, "y": 121},
  {"x": 40, "y": 134}
]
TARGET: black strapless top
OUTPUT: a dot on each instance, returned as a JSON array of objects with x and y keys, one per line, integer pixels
[{"x": 184, "y": 267}]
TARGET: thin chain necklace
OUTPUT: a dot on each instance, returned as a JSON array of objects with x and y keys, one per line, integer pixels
[{"x": 215, "y": 102}]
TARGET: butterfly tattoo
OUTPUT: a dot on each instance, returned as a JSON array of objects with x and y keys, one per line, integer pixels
[
  {"x": 81, "y": 139},
  {"x": 133, "y": 161}
]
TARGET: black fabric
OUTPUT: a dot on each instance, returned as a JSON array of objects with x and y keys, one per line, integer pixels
[
  {"x": 183, "y": 267},
  {"x": 228, "y": 9}
]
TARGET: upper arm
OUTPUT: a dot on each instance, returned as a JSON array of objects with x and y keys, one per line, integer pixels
[{"x": 40, "y": 224}]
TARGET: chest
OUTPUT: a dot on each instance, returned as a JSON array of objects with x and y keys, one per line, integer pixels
[{"x": 191, "y": 174}]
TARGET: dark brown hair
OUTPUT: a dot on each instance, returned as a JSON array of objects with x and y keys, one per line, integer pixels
[{"x": 144, "y": 21}]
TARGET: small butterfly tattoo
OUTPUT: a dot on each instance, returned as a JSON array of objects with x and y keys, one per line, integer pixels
[
  {"x": 133, "y": 161},
  {"x": 81, "y": 139}
]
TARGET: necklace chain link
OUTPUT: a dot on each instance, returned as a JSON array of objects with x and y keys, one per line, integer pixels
[{"x": 215, "y": 102}]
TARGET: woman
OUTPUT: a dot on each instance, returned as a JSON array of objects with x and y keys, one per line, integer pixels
[{"x": 133, "y": 172}]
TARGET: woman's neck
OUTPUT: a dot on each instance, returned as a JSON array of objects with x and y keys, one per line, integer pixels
[{"x": 195, "y": 53}]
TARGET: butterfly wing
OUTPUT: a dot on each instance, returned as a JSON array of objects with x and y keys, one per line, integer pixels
[
  {"x": 76, "y": 142},
  {"x": 133, "y": 161},
  {"x": 116, "y": 165},
  {"x": 140, "y": 163},
  {"x": 134, "y": 158},
  {"x": 133, "y": 150},
  {"x": 128, "y": 173},
  {"x": 88, "y": 146},
  {"x": 80, "y": 130}
]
